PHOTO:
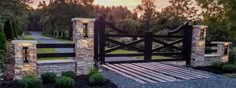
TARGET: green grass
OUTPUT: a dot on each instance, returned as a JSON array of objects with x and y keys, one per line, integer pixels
[
  {"x": 48, "y": 50},
  {"x": 27, "y": 37},
  {"x": 230, "y": 75},
  {"x": 139, "y": 57}
]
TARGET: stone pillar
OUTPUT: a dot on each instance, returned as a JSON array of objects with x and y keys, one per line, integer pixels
[
  {"x": 223, "y": 49},
  {"x": 83, "y": 43},
  {"x": 23, "y": 68},
  {"x": 198, "y": 45}
]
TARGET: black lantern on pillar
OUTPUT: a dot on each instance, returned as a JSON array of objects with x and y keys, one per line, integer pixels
[
  {"x": 25, "y": 54},
  {"x": 85, "y": 30}
]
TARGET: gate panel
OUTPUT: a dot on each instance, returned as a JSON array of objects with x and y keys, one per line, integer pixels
[{"x": 174, "y": 44}]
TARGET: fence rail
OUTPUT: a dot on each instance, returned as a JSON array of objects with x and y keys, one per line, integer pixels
[{"x": 52, "y": 55}]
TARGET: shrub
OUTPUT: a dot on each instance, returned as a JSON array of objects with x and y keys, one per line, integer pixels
[
  {"x": 97, "y": 79},
  {"x": 2, "y": 37},
  {"x": 70, "y": 74},
  {"x": 8, "y": 29},
  {"x": 229, "y": 68},
  {"x": 92, "y": 71},
  {"x": 30, "y": 82},
  {"x": 232, "y": 58},
  {"x": 217, "y": 65},
  {"x": 64, "y": 82},
  {"x": 48, "y": 77}
]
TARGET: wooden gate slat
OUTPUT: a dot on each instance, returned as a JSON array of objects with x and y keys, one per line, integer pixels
[
  {"x": 173, "y": 72},
  {"x": 164, "y": 72},
  {"x": 124, "y": 74},
  {"x": 133, "y": 74},
  {"x": 198, "y": 74},
  {"x": 140, "y": 73},
  {"x": 152, "y": 73}
]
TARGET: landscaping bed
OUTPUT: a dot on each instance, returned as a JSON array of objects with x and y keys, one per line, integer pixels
[
  {"x": 68, "y": 79},
  {"x": 80, "y": 82}
]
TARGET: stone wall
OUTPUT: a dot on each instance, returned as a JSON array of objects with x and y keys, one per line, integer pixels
[
  {"x": 25, "y": 68},
  {"x": 83, "y": 44},
  {"x": 220, "y": 55},
  {"x": 56, "y": 66}
]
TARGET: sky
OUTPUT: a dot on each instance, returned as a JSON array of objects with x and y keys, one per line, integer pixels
[{"x": 131, "y": 4}]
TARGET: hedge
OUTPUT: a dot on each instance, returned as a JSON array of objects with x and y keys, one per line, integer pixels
[
  {"x": 2, "y": 37},
  {"x": 8, "y": 30}
]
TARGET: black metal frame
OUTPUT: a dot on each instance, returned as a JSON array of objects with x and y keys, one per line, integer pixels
[
  {"x": 49, "y": 55},
  {"x": 100, "y": 39}
]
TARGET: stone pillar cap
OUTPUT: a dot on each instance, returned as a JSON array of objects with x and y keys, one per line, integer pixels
[
  {"x": 220, "y": 42},
  {"x": 25, "y": 41},
  {"x": 84, "y": 20}
]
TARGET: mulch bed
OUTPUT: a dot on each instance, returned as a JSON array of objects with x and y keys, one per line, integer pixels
[
  {"x": 208, "y": 69},
  {"x": 81, "y": 82}
]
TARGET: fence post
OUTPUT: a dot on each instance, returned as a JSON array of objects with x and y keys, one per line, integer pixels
[
  {"x": 187, "y": 43},
  {"x": 148, "y": 37},
  {"x": 101, "y": 39}
]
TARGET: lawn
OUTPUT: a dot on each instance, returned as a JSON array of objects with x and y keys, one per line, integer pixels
[
  {"x": 139, "y": 57},
  {"x": 48, "y": 50},
  {"x": 27, "y": 37}
]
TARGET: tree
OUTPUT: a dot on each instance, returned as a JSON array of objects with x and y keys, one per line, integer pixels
[
  {"x": 129, "y": 25},
  {"x": 149, "y": 13},
  {"x": 219, "y": 15},
  {"x": 2, "y": 35}
]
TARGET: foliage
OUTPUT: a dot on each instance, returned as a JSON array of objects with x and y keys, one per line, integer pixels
[
  {"x": 232, "y": 56},
  {"x": 70, "y": 74},
  {"x": 64, "y": 82},
  {"x": 2, "y": 36},
  {"x": 129, "y": 25},
  {"x": 48, "y": 77},
  {"x": 229, "y": 68},
  {"x": 217, "y": 65},
  {"x": 97, "y": 79},
  {"x": 56, "y": 17},
  {"x": 92, "y": 71},
  {"x": 16, "y": 11},
  {"x": 149, "y": 13},
  {"x": 30, "y": 82},
  {"x": 219, "y": 15}
]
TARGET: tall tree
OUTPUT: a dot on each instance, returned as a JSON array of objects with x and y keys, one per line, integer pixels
[{"x": 149, "y": 13}]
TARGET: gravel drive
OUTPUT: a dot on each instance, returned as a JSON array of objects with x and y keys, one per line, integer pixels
[
  {"x": 217, "y": 81},
  {"x": 42, "y": 39}
]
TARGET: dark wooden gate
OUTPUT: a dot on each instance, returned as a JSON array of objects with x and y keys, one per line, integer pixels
[{"x": 176, "y": 44}]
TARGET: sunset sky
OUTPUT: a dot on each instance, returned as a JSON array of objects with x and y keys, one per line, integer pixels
[{"x": 129, "y": 3}]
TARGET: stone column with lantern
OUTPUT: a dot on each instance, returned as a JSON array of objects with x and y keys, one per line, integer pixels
[
  {"x": 83, "y": 33},
  {"x": 25, "y": 58},
  {"x": 198, "y": 45}
]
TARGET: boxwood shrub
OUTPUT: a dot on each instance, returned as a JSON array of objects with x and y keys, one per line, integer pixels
[
  {"x": 70, "y": 74},
  {"x": 65, "y": 82},
  {"x": 92, "y": 71},
  {"x": 48, "y": 77},
  {"x": 229, "y": 68},
  {"x": 97, "y": 79},
  {"x": 30, "y": 82}
]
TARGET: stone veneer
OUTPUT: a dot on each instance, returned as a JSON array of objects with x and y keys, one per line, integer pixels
[
  {"x": 198, "y": 46},
  {"x": 56, "y": 66},
  {"x": 83, "y": 45},
  {"x": 22, "y": 68}
]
